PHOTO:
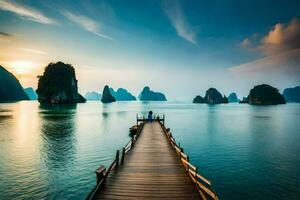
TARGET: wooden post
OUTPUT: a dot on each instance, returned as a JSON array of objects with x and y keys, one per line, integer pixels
[
  {"x": 123, "y": 156},
  {"x": 132, "y": 142},
  {"x": 117, "y": 158},
  {"x": 100, "y": 172}
]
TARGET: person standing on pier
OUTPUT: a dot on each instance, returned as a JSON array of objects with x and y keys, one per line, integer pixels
[{"x": 150, "y": 116}]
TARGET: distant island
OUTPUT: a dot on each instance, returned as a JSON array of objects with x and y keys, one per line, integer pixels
[
  {"x": 292, "y": 94},
  {"x": 93, "y": 96},
  {"x": 232, "y": 98},
  {"x": 31, "y": 93},
  {"x": 264, "y": 95},
  {"x": 199, "y": 99},
  {"x": 58, "y": 85},
  {"x": 107, "y": 97},
  {"x": 148, "y": 95},
  {"x": 212, "y": 96},
  {"x": 122, "y": 95},
  {"x": 10, "y": 87}
]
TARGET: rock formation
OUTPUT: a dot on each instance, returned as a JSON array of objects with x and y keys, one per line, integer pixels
[
  {"x": 107, "y": 97},
  {"x": 265, "y": 95},
  {"x": 58, "y": 85},
  {"x": 225, "y": 99},
  {"x": 292, "y": 94},
  {"x": 232, "y": 98},
  {"x": 199, "y": 99},
  {"x": 244, "y": 100},
  {"x": 31, "y": 93},
  {"x": 213, "y": 96},
  {"x": 122, "y": 95},
  {"x": 10, "y": 87},
  {"x": 92, "y": 96},
  {"x": 149, "y": 95}
]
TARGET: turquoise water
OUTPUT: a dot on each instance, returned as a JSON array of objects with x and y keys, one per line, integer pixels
[{"x": 249, "y": 152}]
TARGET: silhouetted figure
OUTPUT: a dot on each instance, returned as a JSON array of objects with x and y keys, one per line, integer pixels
[{"x": 150, "y": 116}]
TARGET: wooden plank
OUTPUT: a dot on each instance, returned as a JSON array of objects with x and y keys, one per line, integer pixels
[{"x": 151, "y": 170}]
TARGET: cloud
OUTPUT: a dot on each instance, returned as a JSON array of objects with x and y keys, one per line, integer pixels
[
  {"x": 281, "y": 37},
  {"x": 25, "y": 12},
  {"x": 179, "y": 22},
  {"x": 5, "y": 37},
  {"x": 36, "y": 51},
  {"x": 281, "y": 70},
  {"x": 3, "y": 34},
  {"x": 85, "y": 23},
  {"x": 286, "y": 62},
  {"x": 280, "y": 49}
]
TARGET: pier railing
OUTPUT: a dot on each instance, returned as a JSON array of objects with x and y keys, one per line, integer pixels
[
  {"x": 203, "y": 185},
  {"x": 142, "y": 118},
  {"x": 102, "y": 172}
]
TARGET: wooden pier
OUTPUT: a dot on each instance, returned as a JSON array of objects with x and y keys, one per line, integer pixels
[{"x": 151, "y": 166}]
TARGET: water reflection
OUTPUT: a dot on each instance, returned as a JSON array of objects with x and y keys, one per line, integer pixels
[
  {"x": 212, "y": 119},
  {"x": 5, "y": 114},
  {"x": 51, "y": 152},
  {"x": 58, "y": 127}
]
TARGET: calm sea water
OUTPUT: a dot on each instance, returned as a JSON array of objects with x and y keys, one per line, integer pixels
[{"x": 249, "y": 152}]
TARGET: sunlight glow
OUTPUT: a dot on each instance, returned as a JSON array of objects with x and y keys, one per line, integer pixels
[{"x": 22, "y": 67}]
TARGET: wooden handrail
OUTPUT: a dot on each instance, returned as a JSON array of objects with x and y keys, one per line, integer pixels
[
  {"x": 184, "y": 155},
  {"x": 203, "y": 179},
  {"x": 160, "y": 118},
  {"x": 189, "y": 164},
  {"x": 191, "y": 169},
  {"x": 115, "y": 162},
  {"x": 208, "y": 191},
  {"x": 93, "y": 192}
]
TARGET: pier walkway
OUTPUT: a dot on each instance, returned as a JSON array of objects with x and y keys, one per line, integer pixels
[{"x": 154, "y": 167}]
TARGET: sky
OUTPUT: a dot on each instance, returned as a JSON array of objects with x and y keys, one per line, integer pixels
[{"x": 177, "y": 47}]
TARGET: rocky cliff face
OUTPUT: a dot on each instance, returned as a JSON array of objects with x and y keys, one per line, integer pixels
[
  {"x": 58, "y": 85},
  {"x": 292, "y": 94},
  {"x": 232, "y": 98},
  {"x": 10, "y": 87},
  {"x": 122, "y": 95},
  {"x": 149, "y": 95},
  {"x": 265, "y": 95},
  {"x": 213, "y": 96},
  {"x": 31, "y": 93},
  {"x": 107, "y": 97}
]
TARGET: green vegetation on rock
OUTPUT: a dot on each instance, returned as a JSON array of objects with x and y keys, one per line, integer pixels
[
  {"x": 264, "y": 95},
  {"x": 58, "y": 85}
]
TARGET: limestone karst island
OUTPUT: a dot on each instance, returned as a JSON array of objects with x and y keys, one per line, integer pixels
[{"x": 149, "y": 100}]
